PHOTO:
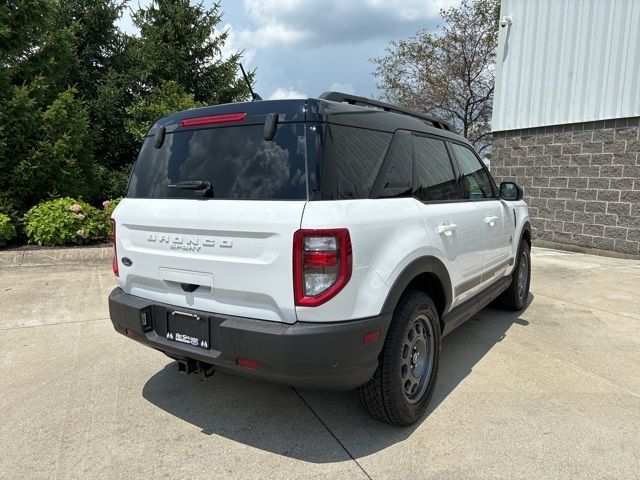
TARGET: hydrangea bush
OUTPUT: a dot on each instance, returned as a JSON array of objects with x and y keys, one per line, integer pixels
[
  {"x": 109, "y": 206},
  {"x": 7, "y": 229},
  {"x": 64, "y": 221}
]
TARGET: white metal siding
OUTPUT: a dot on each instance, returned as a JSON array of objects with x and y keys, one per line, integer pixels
[{"x": 567, "y": 61}]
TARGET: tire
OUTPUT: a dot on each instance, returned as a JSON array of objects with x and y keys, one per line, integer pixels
[
  {"x": 515, "y": 297},
  {"x": 402, "y": 386}
]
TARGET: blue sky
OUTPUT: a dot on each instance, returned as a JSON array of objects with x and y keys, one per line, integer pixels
[{"x": 305, "y": 47}]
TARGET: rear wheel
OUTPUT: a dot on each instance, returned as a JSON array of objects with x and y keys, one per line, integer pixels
[
  {"x": 515, "y": 297},
  {"x": 402, "y": 386}
]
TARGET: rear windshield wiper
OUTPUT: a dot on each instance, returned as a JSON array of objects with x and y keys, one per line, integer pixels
[{"x": 204, "y": 185}]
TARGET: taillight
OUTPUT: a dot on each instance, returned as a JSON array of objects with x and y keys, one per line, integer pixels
[
  {"x": 322, "y": 262},
  {"x": 210, "y": 119},
  {"x": 112, "y": 240}
]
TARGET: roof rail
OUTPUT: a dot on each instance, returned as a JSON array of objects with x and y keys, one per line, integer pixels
[{"x": 387, "y": 107}]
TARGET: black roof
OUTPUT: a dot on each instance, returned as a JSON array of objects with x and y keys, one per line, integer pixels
[{"x": 319, "y": 110}]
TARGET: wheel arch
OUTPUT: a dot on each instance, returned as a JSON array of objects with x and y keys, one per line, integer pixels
[
  {"x": 526, "y": 232},
  {"x": 427, "y": 274}
]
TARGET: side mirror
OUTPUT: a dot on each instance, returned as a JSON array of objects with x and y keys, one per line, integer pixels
[{"x": 510, "y": 191}]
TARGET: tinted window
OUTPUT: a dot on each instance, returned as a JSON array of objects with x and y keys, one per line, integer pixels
[
  {"x": 434, "y": 172},
  {"x": 475, "y": 180},
  {"x": 357, "y": 154},
  {"x": 236, "y": 160},
  {"x": 397, "y": 179}
]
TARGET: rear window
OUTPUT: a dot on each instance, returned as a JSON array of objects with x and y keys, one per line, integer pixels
[{"x": 237, "y": 161}]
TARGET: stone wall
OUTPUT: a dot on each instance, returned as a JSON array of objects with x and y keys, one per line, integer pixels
[{"x": 581, "y": 181}]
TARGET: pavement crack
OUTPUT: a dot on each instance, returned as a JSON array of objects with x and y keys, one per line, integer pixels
[{"x": 315, "y": 414}]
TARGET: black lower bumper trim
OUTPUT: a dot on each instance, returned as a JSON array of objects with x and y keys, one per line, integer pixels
[{"x": 303, "y": 354}]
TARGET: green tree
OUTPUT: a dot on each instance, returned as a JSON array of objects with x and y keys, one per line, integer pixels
[
  {"x": 20, "y": 117},
  {"x": 448, "y": 73},
  {"x": 96, "y": 40},
  {"x": 179, "y": 42},
  {"x": 104, "y": 78},
  {"x": 60, "y": 162},
  {"x": 168, "y": 97},
  {"x": 23, "y": 24},
  {"x": 69, "y": 79}
]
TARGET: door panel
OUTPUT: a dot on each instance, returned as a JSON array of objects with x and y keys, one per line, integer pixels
[
  {"x": 476, "y": 185},
  {"x": 495, "y": 223},
  {"x": 454, "y": 226},
  {"x": 454, "y": 229}
]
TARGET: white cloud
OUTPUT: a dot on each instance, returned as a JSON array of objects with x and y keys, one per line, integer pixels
[
  {"x": 286, "y": 93},
  {"x": 234, "y": 45},
  {"x": 295, "y": 22},
  {"x": 270, "y": 35},
  {"x": 411, "y": 9}
]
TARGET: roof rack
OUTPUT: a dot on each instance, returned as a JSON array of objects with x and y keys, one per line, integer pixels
[{"x": 387, "y": 107}]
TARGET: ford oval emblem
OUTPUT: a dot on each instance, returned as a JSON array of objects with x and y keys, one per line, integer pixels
[{"x": 126, "y": 261}]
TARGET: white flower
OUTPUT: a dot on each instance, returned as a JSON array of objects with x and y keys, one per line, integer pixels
[
  {"x": 75, "y": 208},
  {"x": 80, "y": 216},
  {"x": 106, "y": 203},
  {"x": 81, "y": 233}
]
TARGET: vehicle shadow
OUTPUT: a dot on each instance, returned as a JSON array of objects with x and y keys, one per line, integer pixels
[{"x": 285, "y": 421}]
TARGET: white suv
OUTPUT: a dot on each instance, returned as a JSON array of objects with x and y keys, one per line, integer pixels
[{"x": 321, "y": 243}]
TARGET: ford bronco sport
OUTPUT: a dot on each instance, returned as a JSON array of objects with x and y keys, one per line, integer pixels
[{"x": 322, "y": 243}]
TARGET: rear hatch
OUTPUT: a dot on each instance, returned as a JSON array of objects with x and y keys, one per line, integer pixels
[{"x": 226, "y": 248}]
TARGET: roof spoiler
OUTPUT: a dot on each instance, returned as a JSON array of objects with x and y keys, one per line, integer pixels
[{"x": 387, "y": 107}]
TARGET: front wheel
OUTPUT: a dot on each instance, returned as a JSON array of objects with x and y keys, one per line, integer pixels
[
  {"x": 402, "y": 386},
  {"x": 515, "y": 297}
]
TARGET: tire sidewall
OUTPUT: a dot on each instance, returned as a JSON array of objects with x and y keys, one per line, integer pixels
[
  {"x": 523, "y": 250},
  {"x": 412, "y": 411}
]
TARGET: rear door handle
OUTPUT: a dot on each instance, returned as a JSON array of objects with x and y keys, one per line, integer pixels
[
  {"x": 447, "y": 229},
  {"x": 490, "y": 219}
]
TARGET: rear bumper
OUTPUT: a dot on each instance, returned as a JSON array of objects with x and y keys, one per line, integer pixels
[{"x": 309, "y": 355}]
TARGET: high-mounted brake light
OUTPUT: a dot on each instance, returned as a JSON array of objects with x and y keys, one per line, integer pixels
[
  {"x": 112, "y": 240},
  {"x": 209, "y": 119},
  {"x": 322, "y": 263}
]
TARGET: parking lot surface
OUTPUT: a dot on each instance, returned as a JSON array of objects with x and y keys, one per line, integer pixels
[{"x": 551, "y": 392}]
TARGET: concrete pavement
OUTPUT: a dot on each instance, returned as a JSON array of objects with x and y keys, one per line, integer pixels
[{"x": 553, "y": 392}]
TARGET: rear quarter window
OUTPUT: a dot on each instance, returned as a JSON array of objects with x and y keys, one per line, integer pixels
[
  {"x": 356, "y": 155},
  {"x": 237, "y": 161}
]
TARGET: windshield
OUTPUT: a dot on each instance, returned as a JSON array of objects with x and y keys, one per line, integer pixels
[{"x": 236, "y": 160}]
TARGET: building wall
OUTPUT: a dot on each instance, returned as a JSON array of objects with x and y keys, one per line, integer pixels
[
  {"x": 581, "y": 181},
  {"x": 567, "y": 61}
]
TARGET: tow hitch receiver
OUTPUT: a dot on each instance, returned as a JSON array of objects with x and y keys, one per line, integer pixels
[{"x": 188, "y": 366}]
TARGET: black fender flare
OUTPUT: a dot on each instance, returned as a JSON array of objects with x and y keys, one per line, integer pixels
[
  {"x": 425, "y": 264},
  {"x": 526, "y": 228}
]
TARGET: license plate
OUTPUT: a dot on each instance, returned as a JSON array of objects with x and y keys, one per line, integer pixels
[{"x": 188, "y": 328}]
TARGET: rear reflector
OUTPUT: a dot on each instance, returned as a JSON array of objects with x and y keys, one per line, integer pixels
[
  {"x": 131, "y": 333},
  {"x": 247, "y": 363},
  {"x": 371, "y": 337},
  {"x": 209, "y": 119}
]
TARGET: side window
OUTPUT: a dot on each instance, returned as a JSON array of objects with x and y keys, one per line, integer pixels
[
  {"x": 475, "y": 180},
  {"x": 397, "y": 179},
  {"x": 358, "y": 155},
  {"x": 434, "y": 173}
]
